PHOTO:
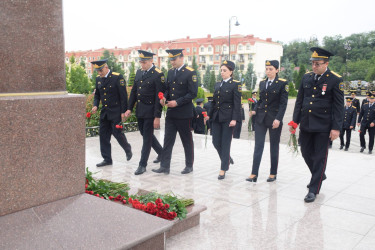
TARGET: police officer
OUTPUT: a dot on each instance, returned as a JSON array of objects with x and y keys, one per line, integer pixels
[
  {"x": 355, "y": 102},
  {"x": 225, "y": 112},
  {"x": 318, "y": 111},
  {"x": 110, "y": 89},
  {"x": 350, "y": 117},
  {"x": 366, "y": 122},
  {"x": 270, "y": 112},
  {"x": 199, "y": 127},
  {"x": 148, "y": 82},
  {"x": 181, "y": 89},
  {"x": 252, "y": 107},
  {"x": 365, "y": 100}
]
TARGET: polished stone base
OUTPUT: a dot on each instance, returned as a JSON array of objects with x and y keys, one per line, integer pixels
[{"x": 42, "y": 150}]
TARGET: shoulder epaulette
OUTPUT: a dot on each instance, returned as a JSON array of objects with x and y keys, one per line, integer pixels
[
  {"x": 353, "y": 107},
  {"x": 188, "y": 68},
  {"x": 98, "y": 76},
  {"x": 115, "y": 73},
  {"x": 264, "y": 79},
  {"x": 282, "y": 79},
  {"x": 308, "y": 72},
  {"x": 236, "y": 81},
  {"x": 158, "y": 70},
  {"x": 333, "y": 72}
]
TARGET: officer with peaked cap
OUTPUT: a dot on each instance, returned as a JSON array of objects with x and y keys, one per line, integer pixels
[
  {"x": 181, "y": 89},
  {"x": 366, "y": 122},
  {"x": 270, "y": 110},
  {"x": 355, "y": 102},
  {"x": 148, "y": 82},
  {"x": 319, "y": 113},
  {"x": 110, "y": 89},
  {"x": 350, "y": 117}
]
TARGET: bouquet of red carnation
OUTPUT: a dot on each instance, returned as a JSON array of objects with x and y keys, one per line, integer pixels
[
  {"x": 120, "y": 126},
  {"x": 161, "y": 97},
  {"x": 293, "y": 144},
  {"x": 204, "y": 113},
  {"x": 250, "y": 124}
]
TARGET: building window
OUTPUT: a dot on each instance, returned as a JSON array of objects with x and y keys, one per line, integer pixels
[
  {"x": 194, "y": 50},
  {"x": 130, "y": 57},
  {"x": 250, "y": 57},
  {"x": 241, "y": 59},
  {"x": 240, "y": 47},
  {"x": 189, "y": 58},
  {"x": 203, "y": 67},
  {"x": 202, "y": 59},
  {"x": 202, "y": 49},
  {"x": 217, "y": 57},
  {"x": 187, "y": 50},
  {"x": 211, "y": 58},
  {"x": 224, "y": 48},
  {"x": 217, "y": 48},
  {"x": 216, "y": 67},
  {"x": 120, "y": 57},
  {"x": 160, "y": 50},
  {"x": 233, "y": 47},
  {"x": 242, "y": 67},
  {"x": 247, "y": 46},
  {"x": 162, "y": 59},
  {"x": 209, "y": 49},
  {"x": 233, "y": 57}
]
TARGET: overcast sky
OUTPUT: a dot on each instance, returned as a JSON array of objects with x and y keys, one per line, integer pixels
[{"x": 93, "y": 24}]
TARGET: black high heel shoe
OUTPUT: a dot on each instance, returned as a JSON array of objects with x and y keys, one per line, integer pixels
[
  {"x": 254, "y": 179},
  {"x": 221, "y": 177},
  {"x": 271, "y": 179}
]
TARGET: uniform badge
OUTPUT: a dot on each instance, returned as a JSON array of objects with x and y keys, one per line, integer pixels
[
  {"x": 342, "y": 86},
  {"x": 239, "y": 88},
  {"x": 122, "y": 82},
  {"x": 324, "y": 89},
  {"x": 99, "y": 82},
  {"x": 162, "y": 79},
  {"x": 287, "y": 88},
  {"x": 194, "y": 78}
]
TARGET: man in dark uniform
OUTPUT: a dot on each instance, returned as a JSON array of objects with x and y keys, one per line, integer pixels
[
  {"x": 207, "y": 107},
  {"x": 355, "y": 102},
  {"x": 318, "y": 111},
  {"x": 252, "y": 107},
  {"x": 110, "y": 89},
  {"x": 366, "y": 121},
  {"x": 199, "y": 127},
  {"x": 270, "y": 110},
  {"x": 148, "y": 82},
  {"x": 350, "y": 117},
  {"x": 364, "y": 101},
  {"x": 181, "y": 89}
]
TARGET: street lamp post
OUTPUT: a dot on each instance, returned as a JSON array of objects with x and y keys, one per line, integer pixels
[
  {"x": 236, "y": 24},
  {"x": 347, "y": 48}
]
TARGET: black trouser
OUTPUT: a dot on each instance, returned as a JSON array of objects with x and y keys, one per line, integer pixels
[
  {"x": 183, "y": 127},
  {"x": 237, "y": 130},
  {"x": 222, "y": 138},
  {"x": 253, "y": 122},
  {"x": 314, "y": 149},
  {"x": 348, "y": 136},
  {"x": 260, "y": 136},
  {"x": 146, "y": 127},
  {"x": 106, "y": 129},
  {"x": 371, "y": 134}
]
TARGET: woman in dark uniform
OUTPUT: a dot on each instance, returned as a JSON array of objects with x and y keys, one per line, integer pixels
[
  {"x": 270, "y": 110},
  {"x": 224, "y": 113}
]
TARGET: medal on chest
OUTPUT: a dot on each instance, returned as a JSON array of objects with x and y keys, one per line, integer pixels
[{"x": 324, "y": 89}]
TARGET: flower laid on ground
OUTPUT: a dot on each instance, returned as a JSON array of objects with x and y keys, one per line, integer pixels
[
  {"x": 204, "y": 113},
  {"x": 167, "y": 206},
  {"x": 88, "y": 114},
  {"x": 292, "y": 144},
  {"x": 250, "y": 124}
]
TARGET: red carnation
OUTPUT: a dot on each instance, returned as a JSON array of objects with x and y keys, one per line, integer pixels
[
  {"x": 204, "y": 114},
  {"x": 158, "y": 201},
  {"x": 110, "y": 197},
  {"x": 124, "y": 201},
  {"x": 86, "y": 186},
  {"x": 130, "y": 200},
  {"x": 166, "y": 206},
  {"x": 91, "y": 192},
  {"x": 160, "y": 95},
  {"x": 97, "y": 195},
  {"x": 251, "y": 100},
  {"x": 359, "y": 131},
  {"x": 88, "y": 114},
  {"x": 293, "y": 124}
]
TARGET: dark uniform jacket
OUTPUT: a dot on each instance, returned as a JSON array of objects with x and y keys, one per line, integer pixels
[
  {"x": 350, "y": 117},
  {"x": 111, "y": 91},
  {"x": 364, "y": 101},
  {"x": 183, "y": 89},
  {"x": 226, "y": 104},
  {"x": 356, "y": 104},
  {"x": 272, "y": 101},
  {"x": 145, "y": 93},
  {"x": 316, "y": 112},
  {"x": 199, "y": 122},
  {"x": 367, "y": 116}
]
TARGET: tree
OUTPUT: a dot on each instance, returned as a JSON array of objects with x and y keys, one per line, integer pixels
[
  {"x": 301, "y": 72},
  {"x": 287, "y": 73},
  {"x": 72, "y": 59},
  {"x": 165, "y": 72},
  {"x": 93, "y": 78},
  {"x": 212, "y": 81},
  {"x": 236, "y": 73},
  {"x": 82, "y": 64},
  {"x": 112, "y": 63},
  {"x": 250, "y": 77},
  {"x": 206, "y": 77},
  {"x": 77, "y": 80},
  {"x": 131, "y": 74},
  {"x": 196, "y": 68},
  {"x": 292, "y": 89}
]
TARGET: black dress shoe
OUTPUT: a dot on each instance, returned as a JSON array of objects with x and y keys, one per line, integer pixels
[
  {"x": 187, "y": 170},
  {"x": 221, "y": 177},
  {"x": 129, "y": 156},
  {"x": 324, "y": 177},
  {"x": 341, "y": 147},
  {"x": 104, "y": 163},
  {"x": 370, "y": 152},
  {"x": 140, "y": 170},
  {"x": 346, "y": 149},
  {"x": 310, "y": 197},
  {"x": 362, "y": 149},
  {"x": 231, "y": 160},
  {"x": 161, "y": 170},
  {"x": 158, "y": 159},
  {"x": 254, "y": 179},
  {"x": 271, "y": 179}
]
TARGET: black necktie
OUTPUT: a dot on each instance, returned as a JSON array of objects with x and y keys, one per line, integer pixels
[
  {"x": 268, "y": 84},
  {"x": 145, "y": 72},
  {"x": 317, "y": 77}
]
